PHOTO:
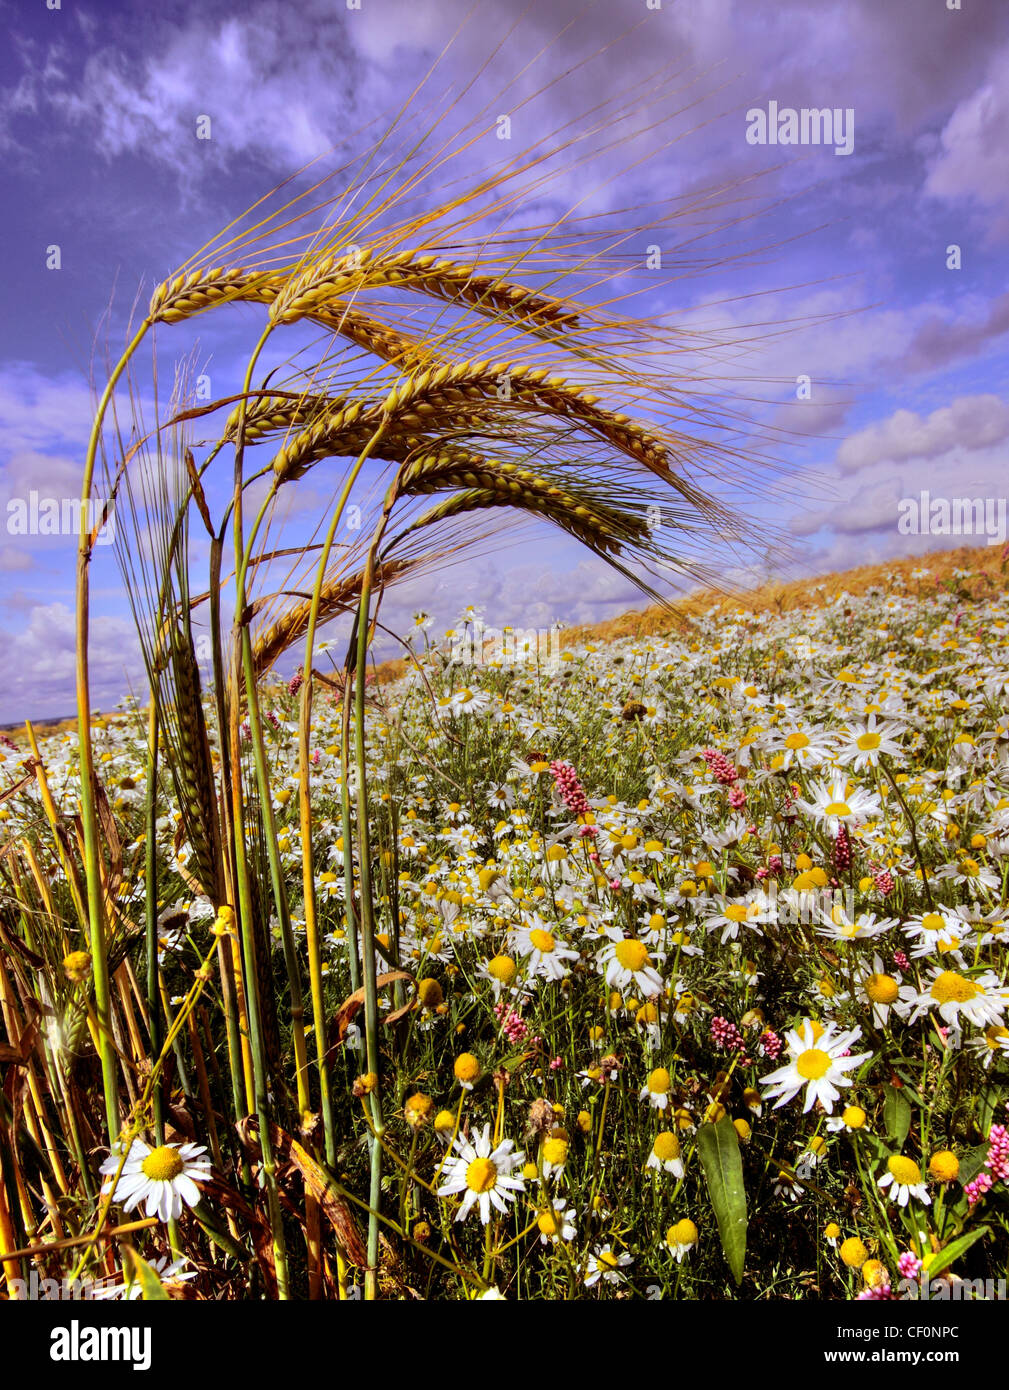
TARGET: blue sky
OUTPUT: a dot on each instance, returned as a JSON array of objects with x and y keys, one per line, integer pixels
[{"x": 907, "y": 359}]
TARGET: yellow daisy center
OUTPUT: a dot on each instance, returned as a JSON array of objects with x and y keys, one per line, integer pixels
[
  {"x": 932, "y": 921},
  {"x": 632, "y": 955},
  {"x": 467, "y": 1068},
  {"x": 607, "y": 1260},
  {"x": 951, "y": 988},
  {"x": 812, "y": 1064},
  {"x": 666, "y": 1146},
  {"x": 735, "y": 912},
  {"x": 481, "y": 1175},
  {"x": 837, "y": 808},
  {"x": 944, "y": 1166},
  {"x": 795, "y": 741},
  {"x": 502, "y": 968},
  {"x": 542, "y": 940},
  {"x": 658, "y": 1082},
  {"x": 904, "y": 1170},
  {"x": 547, "y": 1222},
  {"x": 881, "y": 989},
  {"x": 683, "y": 1233},
  {"x": 555, "y": 1151},
  {"x": 853, "y": 1253},
  {"x": 429, "y": 993},
  {"x": 867, "y": 742},
  {"x": 163, "y": 1164}
]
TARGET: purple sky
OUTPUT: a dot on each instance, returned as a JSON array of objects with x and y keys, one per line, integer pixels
[{"x": 907, "y": 358}]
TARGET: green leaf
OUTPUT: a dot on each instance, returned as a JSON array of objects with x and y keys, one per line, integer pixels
[
  {"x": 972, "y": 1162},
  {"x": 990, "y": 1097},
  {"x": 954, "y": 1250},
  {"x": 896, "y": 1115},
  {"x": 718, "y": 1147}
]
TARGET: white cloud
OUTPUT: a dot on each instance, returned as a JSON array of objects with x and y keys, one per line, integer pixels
[
  {"x": 969, "y": 421},
  {"x": 971, "y": 162},
  {"x": 868, "y": 502},
  {"x": 39, "y": 663}
]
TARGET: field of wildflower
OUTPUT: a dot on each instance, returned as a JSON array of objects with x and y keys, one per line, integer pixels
[{"x": 691, "y": 977}]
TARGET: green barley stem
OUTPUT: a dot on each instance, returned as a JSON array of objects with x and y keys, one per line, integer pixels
[
  {"x": 304, "y": 771},
  {"x": 348, "y": 855},
  {"x": 151, "y": 907},
  {"x": 89, "y": 816},
  {"x": 242, "y": 867}
]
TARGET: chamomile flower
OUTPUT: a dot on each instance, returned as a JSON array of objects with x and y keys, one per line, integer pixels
[
  {"x": 940, "y": 932},
  {"x": 839, "y": 926},
  {"x": 484, "y": 1174},
  {"x": 656, "y": 1089},
  {"x": 556, "y": 1223},
  {"x": 735, "y": 912},
  {"x": 864, "y": 744},
  {"x": 980, "y": 999},
  {"x": 543, "y": 952},
  {"x": 665, "y": 1154},
  {"x": 626, "y": 962},
  {"x": 499, "y": 972},
  {"x": 904, "y": 1179},
  {"x": 169, "y": 1271},
  {"x": 554, "y": 1154},
  {"x": 839, "y": 803},
  {"x": 879, "y": 990},
  {"x": 604, "y": 1264},
  {"x": 992, "y": 1043},
  {"x": 801, "y": 746},
  {"x": 851, "y": 1118},
  {"x": 817, "y": 1062},
  {"x": 970, "y": 874},
  {"x": 681, "y": 1239},
  {"x": 163, "y": 1178},
  {"x": 500, "y": 797},
  {"x": 468, "y": 701}
]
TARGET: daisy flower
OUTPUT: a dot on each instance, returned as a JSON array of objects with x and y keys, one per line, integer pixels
[
  {"x": 468, "y": 701},
  {"x": 838, "y": 802},
  {"x": 903, "y": 1178},
  {"x": 993, "y": 1042},
  {"x": 981, "y": 1000},
  {"x": 941, "y": 932},
  {"x": 485, "y": 1175},
  {"x": 556, "y": 1223},
  {"x": 544, "y": 954},
  {"x": 168, "y": 1273},
  {"x": 838, "y": 926},
  {"x": 968, "y": 873},
  {"x": 626, "y": 962},
  {"x": 749, "y": 911},
  {"x": 656, "y": 1089},
  {"x": 603, "y": 1264},
  {"x": 881, "y": 991},
  {"x": 864, "y": 744},
  {"x": 665, "y": 1154},
  {"x": 163, "y": 1178},
  {"x": 816, "y": 1060},
  {"x": 681, "y": 1239},
  {"x": 801, "y": 747}
]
